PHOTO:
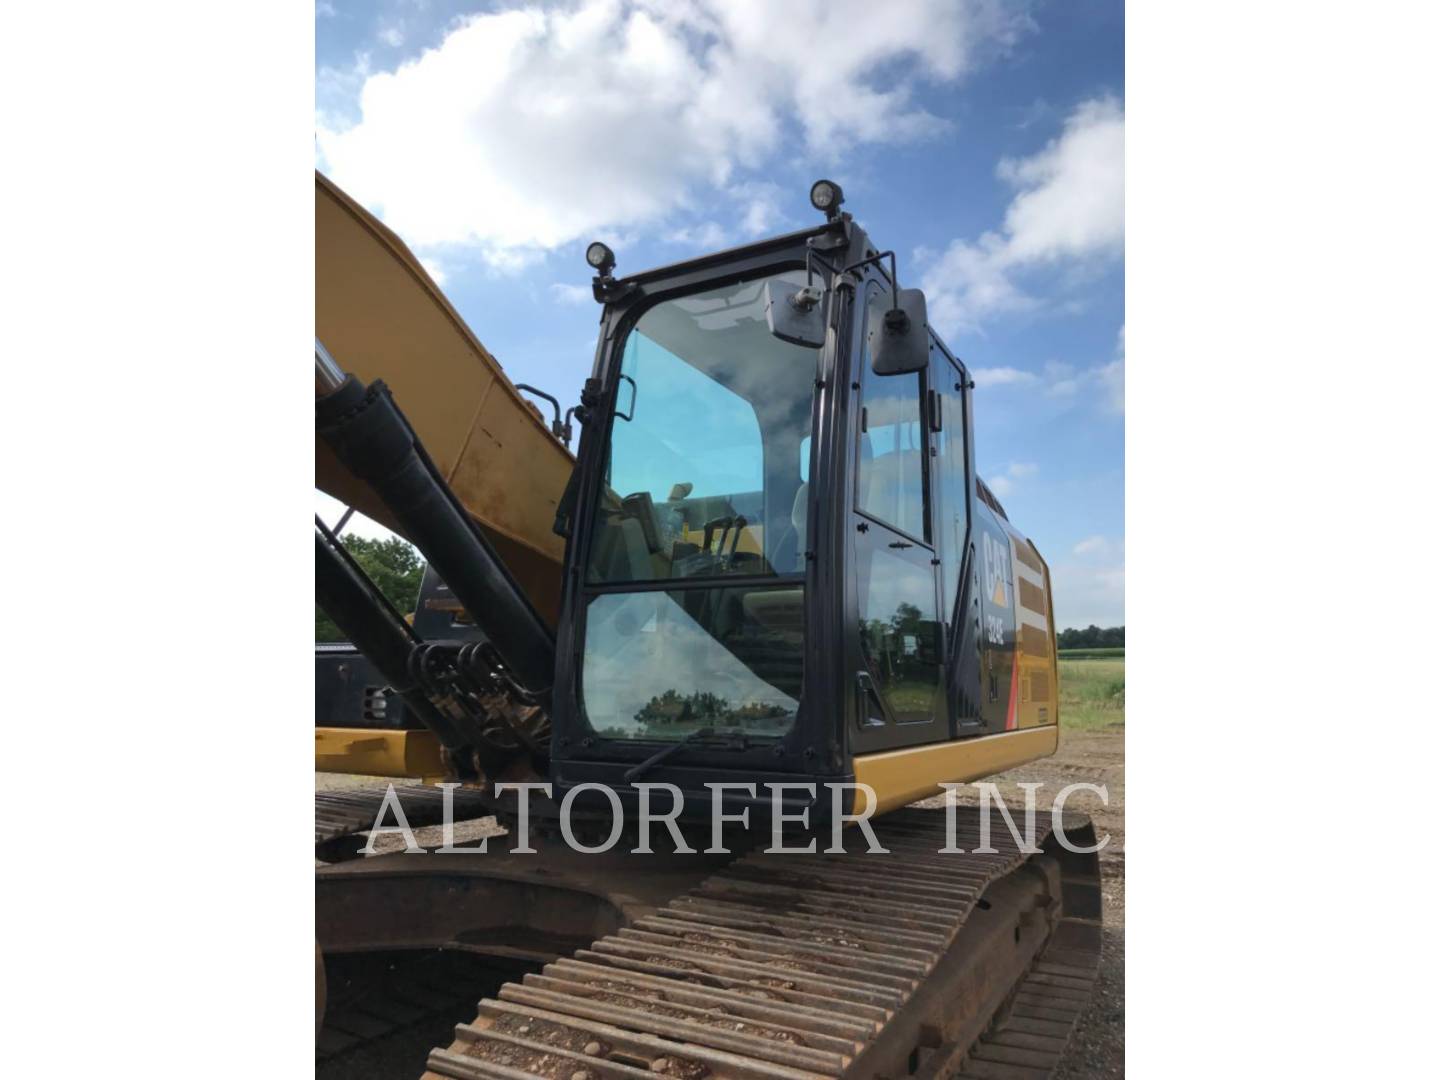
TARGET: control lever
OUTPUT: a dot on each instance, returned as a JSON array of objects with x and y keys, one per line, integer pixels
[
  {"x": 729, "y": 527},
  {"x": 722, "y": 524},
  {"x": 739, "y": 523}
]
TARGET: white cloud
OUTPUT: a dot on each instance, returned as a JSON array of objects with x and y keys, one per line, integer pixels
[
  {"x": 391, "y": 35},
  {"x": 705, "y": 235},
  {"x": 1003, "y": 483},
  {"x": 759, "y": 205},
  {"x": 1002, "y": 376},
  {"x": 1111, "y": 377},
  {"x": 337, "y": 91},
  {"x": 434, "y": 269},
  {"x": 1090, "y": 587},
  {"x": 1090, "y": 584},
  {"x": 1067, "y": 383},
  {"x": 1068, "y": 211},
  {"x": 1087, "y": 594},
  {"x": 527, "y": 129},
  {"x": 1061, "y": 380},
  {"x": 574, "y": 295},
  {"x": 1106, "y": 382},
  {"x": 324, "y": 9},
  {"x": 1072, "y": 194}
]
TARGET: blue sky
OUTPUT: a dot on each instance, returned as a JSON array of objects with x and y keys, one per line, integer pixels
[{"x": 983, "y": 141}]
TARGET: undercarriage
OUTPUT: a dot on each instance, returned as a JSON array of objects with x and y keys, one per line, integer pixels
[{"x": 917, "y": 962}]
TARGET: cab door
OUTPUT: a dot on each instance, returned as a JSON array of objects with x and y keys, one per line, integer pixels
[{"x": 895, "y": 569}]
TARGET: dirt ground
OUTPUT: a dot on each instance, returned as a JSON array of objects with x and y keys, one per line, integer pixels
[{"x": 1097, "y": 1049}]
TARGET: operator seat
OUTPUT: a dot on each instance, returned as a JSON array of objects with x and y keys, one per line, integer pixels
[{"x": 790, "y": 551}]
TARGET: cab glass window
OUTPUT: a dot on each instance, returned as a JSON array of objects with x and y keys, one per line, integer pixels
[
  {"x": 890, "y": 482},
  {"x": 664, "y": 664},
  {"x": 709, "y": 419}
]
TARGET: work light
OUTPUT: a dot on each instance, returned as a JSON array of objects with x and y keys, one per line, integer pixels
[
  {"x": 600, "y": 257},
  {"x": 826, "y": 196}
]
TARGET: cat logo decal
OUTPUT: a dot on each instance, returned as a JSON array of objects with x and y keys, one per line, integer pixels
[{"x": 997, "y": 571}]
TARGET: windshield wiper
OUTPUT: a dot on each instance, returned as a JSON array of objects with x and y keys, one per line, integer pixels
[{"x": 698, "y": 735}]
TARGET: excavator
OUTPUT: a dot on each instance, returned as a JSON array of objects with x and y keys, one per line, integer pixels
[{"x": 768, "y": 598}]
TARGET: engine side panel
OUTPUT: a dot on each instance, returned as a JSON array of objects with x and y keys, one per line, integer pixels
[{"x": 1037, "y": 676}]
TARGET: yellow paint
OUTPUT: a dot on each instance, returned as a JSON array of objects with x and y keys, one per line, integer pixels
[
  {"x": 1039, "y": 682},
  {"x": 899, "y": 777},
  {"x": 378, "y": 752},
  {"x": 380, "y": 315},
  {"x": 1054, "y": 643},
  {"x": 751, "y": 540}
]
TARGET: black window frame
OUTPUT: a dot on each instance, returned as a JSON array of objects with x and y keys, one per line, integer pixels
[
  {"x": 875, "y": 282},
  {"x": 609, "y": 402}
]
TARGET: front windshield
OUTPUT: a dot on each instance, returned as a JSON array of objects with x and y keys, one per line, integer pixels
[
  {"x": 664, "y": 664},
  {"x": 704, "y": 476}
]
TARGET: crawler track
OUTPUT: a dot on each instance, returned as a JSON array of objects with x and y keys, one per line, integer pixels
[
  {"x": 804, "y": 966},
  {"x": 348, "y": 811},
  {"x": 372, "y": 997},
  {"x": 1032, "y": 1035}
]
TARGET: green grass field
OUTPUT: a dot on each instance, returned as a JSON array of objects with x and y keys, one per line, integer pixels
[
  {"x": 1093, "y": 654},
  {"x": 1092, "y": 694}
]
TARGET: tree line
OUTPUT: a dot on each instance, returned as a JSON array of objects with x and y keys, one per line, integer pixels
[
  {"x": 393, "y": 564},
  {"x": 1092, "y": 637}
]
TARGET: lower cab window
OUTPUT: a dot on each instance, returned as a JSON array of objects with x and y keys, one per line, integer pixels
[{"x": 662, "y": 664}]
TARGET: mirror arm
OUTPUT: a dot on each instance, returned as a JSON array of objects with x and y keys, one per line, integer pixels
[
  {"x": 894, "y": 276},
  {"x": 895, "y": 319},
  {"x": 811, "y": 257}
]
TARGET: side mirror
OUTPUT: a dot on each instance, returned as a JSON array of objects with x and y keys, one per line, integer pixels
[
  {"x": 795, "y": 314},
  {"x": 900, "y": 344}
]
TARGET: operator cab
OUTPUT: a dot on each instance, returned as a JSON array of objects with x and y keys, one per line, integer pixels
[{"x": 771, "y": 566}]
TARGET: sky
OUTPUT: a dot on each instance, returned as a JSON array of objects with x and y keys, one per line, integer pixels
[{"x": 983, "y": 141}]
